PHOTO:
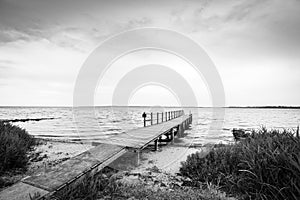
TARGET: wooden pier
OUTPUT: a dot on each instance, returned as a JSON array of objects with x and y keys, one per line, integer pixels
[{"x": 158, "y": 127}]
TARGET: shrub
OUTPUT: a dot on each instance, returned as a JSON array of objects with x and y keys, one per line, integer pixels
[
  {"x": 105, "y": 187},
  {"x": 265, "y": 165},
  {"x": 15, "y": 142}
]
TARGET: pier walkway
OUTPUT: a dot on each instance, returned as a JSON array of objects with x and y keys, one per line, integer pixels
[{"x": 159, "y": 127}]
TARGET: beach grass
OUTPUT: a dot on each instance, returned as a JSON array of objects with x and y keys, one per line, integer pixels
[
  {"x": 265, "y": 165},
  {"x": 106, "y": 185},
  {"x": 15, "y": 143}
]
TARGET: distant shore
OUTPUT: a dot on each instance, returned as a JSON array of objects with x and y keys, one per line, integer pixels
[
  {"x": 266, "y": 107},
  {"x": 145, "y": 106}
]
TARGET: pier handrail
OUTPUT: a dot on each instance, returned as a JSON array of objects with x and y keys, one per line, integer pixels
[{"x": 160, "y": 117}]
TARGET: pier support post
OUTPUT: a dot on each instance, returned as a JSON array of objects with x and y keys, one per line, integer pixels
[
  {"x": 168, "y": 136},
  {"x": 172, "y": 136},
  {"x": 156, "y": 145},
  {"x": 144, "y": 115},
  {"x": 138, "y": 157},
  {"x": 180, "y": 130}
]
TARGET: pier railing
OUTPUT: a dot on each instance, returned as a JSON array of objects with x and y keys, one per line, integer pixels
[{"x": 160, "y": 117}]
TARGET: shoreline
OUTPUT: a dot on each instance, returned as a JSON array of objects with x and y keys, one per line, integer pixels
[
  {"x": 157, "y": 171},
  {"x": 50, "y": 152},
  {"x": 167, "y": 158}
]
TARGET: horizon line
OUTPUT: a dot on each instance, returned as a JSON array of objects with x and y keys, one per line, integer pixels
[{"x": 262, "y": 106}]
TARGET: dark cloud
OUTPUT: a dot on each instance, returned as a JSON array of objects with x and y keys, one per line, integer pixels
[
  {"x": 69, "y": 24},
  {"x": 262, "y": 29},
  {"x": 247, "y": 10},
  {"x": 238, "y": 33},
  {"x": 273, "y": 24}
]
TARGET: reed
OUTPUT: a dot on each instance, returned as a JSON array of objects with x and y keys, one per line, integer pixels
[
  {"x": 15, "y": 143},
  {"x": 266, "y": 165}
]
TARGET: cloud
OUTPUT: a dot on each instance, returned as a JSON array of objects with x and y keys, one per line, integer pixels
[
  {"x": 260, "y": 29},
  {"x": 12, "y": 35},
  {"x": 46, "y": 41},
  {"x": 247, "y": 10}
]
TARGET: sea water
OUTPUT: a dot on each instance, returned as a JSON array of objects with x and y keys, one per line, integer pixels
[{"x": 89, "y": 124}]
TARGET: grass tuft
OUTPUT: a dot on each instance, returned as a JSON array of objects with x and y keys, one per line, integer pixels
[
  {"x": 108, "y": 187},
  {"x": 266, "y": 165},
  {"x": 15, "y": 143}
]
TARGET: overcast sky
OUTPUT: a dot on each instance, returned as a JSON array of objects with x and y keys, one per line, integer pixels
[{"x": 255, "y": 45}]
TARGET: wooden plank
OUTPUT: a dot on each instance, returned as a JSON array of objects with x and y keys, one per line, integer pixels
[
  {"x": 21, "y": 191},
  {"x": 52, "y": 178},
  {"x": 141, "y": 137}
]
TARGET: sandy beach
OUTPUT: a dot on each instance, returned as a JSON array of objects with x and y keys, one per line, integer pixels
[
  {"x": 51, "y": 152},
  {"x": 156, "y": 170},
  {"x": 167, "y": 158}
]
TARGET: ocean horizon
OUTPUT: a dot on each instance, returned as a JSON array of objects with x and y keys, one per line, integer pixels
[{"x": 94, "y": 124}]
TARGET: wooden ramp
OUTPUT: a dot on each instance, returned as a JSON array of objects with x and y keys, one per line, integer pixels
[
  {"x": 59, "y": 177},
  {"x": 65, "y": 173},
  {"x": 53, "y": 179}
]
